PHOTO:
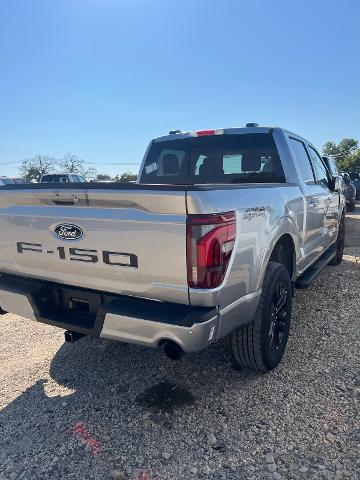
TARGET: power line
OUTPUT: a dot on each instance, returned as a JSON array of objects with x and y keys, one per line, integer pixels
[{"x": 10, "y": 163}]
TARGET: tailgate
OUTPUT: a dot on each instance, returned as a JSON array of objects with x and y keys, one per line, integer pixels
[{"x": 129, "y": 241}]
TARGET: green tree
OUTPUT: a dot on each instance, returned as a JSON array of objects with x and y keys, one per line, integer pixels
[
  {"x": 126, "y": 177},
  {"x": 352, "y": 162},
  {"x": 346, "y": 153},
  {"x": 103, "y": 176}
]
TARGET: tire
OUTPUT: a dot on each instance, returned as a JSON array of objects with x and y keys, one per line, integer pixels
[
  {"x": 260, "y": 345},
  {"x": 340, "y": 242},
  {"x": 351, "y": 207}
]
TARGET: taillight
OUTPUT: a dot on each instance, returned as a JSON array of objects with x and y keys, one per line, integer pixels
[{"x": 210, "y": 242}]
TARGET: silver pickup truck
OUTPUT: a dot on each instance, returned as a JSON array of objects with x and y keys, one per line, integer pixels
[{"x": 219, "y": 229}]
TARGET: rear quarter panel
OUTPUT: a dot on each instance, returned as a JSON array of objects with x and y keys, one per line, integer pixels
[{"x": 264, "y": 213}]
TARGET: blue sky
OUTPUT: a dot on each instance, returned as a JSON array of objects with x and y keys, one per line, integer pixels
[{"x": 100, "y": 78}]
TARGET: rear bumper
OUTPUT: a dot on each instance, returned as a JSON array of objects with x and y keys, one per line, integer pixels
[
  {"x": 152, "y": 334},
  {"x": 126, "y": 319}
]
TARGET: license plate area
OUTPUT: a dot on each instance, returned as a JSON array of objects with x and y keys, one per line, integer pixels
[
  {"x": 76, "y": 301},
  {"x": 71, "y": 306},
  {"x": 80, "y": 304}
]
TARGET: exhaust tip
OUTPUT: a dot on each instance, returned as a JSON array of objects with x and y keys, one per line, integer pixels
[
  {"x": 72, "y": 337},
  {"x": 173, "y": 351}
]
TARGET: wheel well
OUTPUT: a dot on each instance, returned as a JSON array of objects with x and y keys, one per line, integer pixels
[{"x": 284, "y": 253}]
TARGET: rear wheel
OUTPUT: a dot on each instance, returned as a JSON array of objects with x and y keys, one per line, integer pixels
[
  {"x": 261, "y": 344},
  {"x": 340, "y": 243}
]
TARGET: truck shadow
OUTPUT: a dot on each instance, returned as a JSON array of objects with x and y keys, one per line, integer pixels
[
  {"x": 141, "y": 376},
  {"x": 104, "y": 397}
]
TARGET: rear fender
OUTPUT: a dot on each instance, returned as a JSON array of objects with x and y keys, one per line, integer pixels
[{"x": 285, "y": 226}]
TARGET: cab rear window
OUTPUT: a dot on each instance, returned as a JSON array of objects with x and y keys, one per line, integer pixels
[
  {"x": 55, "y": 179},
  {"x": 245, "y": 158}
]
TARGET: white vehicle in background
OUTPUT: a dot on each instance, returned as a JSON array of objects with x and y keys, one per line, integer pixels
[
  {"x": 62, "y": 178},
  {"x": 18, "y": 181},
  {"x": 6, "y": 181}
]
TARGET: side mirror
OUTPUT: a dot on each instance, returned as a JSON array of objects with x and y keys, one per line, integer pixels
[{"x": 337, "y": 183}]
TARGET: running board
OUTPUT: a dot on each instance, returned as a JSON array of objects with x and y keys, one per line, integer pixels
[{"x": 307, "y": 278}]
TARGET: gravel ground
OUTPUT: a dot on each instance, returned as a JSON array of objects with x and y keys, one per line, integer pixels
[{"x": 102, "y": 410}]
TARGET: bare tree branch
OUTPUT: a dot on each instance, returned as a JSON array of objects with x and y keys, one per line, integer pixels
[
  {"x": 32, "y": 169},
  {"x": 72, "y": 163}
]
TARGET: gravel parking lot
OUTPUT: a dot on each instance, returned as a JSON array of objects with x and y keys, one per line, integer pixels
[{"x": 102, "y": 410}]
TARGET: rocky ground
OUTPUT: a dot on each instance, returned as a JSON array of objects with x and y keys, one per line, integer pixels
[{"x": 102, "y": 410}]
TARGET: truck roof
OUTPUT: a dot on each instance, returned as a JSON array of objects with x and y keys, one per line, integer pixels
[{"x": 179, "y": 134}]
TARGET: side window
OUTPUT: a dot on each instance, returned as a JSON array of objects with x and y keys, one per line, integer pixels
[
  {"x": 331, "y": 166},
  {"x": 321, "y": 173},
  {"x": 198, "y": 163},
  {"x": 302, "y": 160},
  {"x": 335, "y": 170}
]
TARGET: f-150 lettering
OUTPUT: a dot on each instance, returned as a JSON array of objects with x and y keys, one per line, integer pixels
[{"x": 119, "y": 259}]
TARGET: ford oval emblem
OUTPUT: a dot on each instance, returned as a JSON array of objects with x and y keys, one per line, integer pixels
[{"x": 67, "y": 231}]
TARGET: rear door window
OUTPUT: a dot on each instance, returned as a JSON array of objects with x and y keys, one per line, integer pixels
[
  {"x": 321, "y": 172},
  {"x": 246, "y": 158},
  {"x": 302, "y": 160},
  {"x": 331, "y": 166}
]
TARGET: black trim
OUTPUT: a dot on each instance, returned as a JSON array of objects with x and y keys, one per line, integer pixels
[
  {"x": 46, "y": 186},
  {"x": 144, "y": 186},
  {"x": 307, "y": 278},
  {"x": 50, "y": 303}
]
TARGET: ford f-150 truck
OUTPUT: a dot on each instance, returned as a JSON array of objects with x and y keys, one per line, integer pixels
[{"x": 220, "y": 228}]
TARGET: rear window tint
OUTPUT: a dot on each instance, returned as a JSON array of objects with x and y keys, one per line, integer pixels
[
  {"x": 246, "y": 158},
  {"x": 55, "y": 179}
]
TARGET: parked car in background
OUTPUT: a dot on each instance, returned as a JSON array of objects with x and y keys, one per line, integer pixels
[
  {"x": 355, "y": 178},
  {"x": 101, "y": 181},
  {"x": 349, "y": 192},
  {"x": 62, "y": 178},
  {"x": 6, "y": 181},
  {"x": 19, "y": 181}
]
